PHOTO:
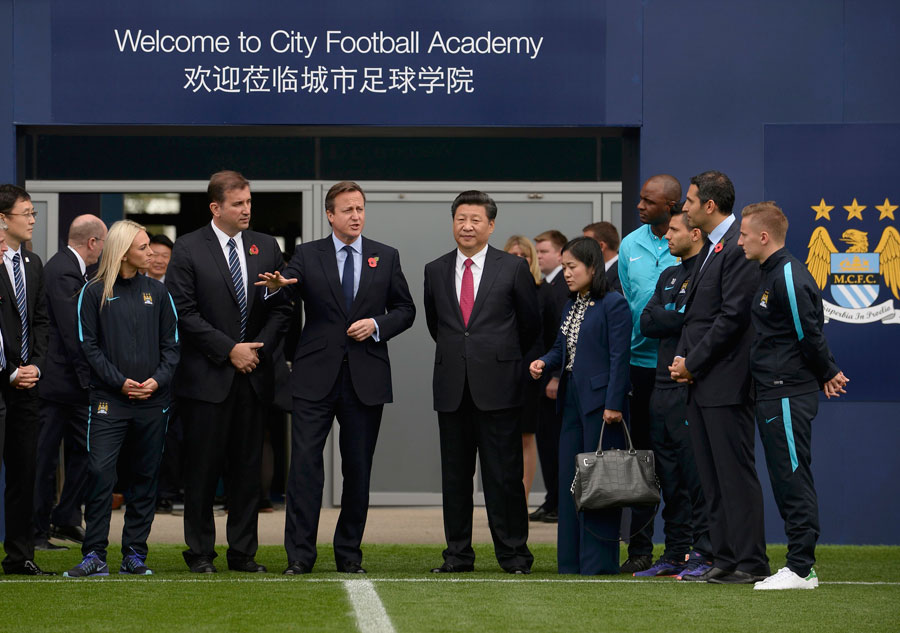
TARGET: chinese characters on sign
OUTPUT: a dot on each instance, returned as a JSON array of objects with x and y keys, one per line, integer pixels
[{"x": 321, "y": 80}]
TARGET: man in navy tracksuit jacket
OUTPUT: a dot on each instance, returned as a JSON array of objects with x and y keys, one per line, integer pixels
[
  {"x": 688, "y": 550},
  {"x": 789, "y": 362}
]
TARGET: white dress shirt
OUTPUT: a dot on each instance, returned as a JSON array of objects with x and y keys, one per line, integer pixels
[
  {"x": 549, "y": 277},
  {"x": 609, "y": 263},
  {"x": 81, "y": 263},
  {"x": 239, "y": 242},
  {"x": 477, "y": 269},
  {"x": 8, "y": 261},
  {"x": 717, "y": 234}
]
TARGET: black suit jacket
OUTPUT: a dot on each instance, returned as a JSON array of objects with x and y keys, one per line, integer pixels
[
  {"x": 716, "y": 336},
  {"x": 504, "y": 323},
  {"x": 383, "y": 295},
  {"x": 38, "y": 322},
  {"x": 612, "y": 276},
  {"x": 553, "y": 297},
  {"x": 66, "y": 375},
  {"x": 209, "y": 318}
]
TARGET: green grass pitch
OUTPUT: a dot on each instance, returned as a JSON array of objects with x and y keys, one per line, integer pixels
[{"x": 416, "y": 601}]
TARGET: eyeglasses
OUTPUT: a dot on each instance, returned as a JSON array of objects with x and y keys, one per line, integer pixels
[{"x": 30, "y": 214}]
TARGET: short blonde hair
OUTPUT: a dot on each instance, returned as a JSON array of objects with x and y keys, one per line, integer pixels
[{"x": 768, "y": 217}]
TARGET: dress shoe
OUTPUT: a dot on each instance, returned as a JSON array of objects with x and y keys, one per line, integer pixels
[
  {"x": 44, "y": 545},
  {"x": 713, "y": 572},
  {"x": 202, "y": 565},
  {"x": 351, "y": 568},
  {"x": 296, "y": 568},
  {"x": 247, "y": 565},
  {"x": 164, "y": 506},
  {"x": 74, "y": 533},
  {"x": 538, "y": 514},
  {"x": 550, "y": 517},
  {"x": 737, "y": 577},
  {"x": 28, "y": 568},
  {"x": 521, "y": 571},
  {"x": 449, "y": 568}
]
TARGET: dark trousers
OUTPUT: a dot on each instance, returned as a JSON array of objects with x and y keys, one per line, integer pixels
[
  {"x": 785, "y": 427},
  {"x": 310, "y": 424},
  {"x": 225, "y": 436},
  {"x": 684, "y": 512},
  {"x": 19, "y": 454},
  {"x": 495, "y": 436},
  {"x": 171, "y": 469},
  {"x": 723, "y": 441},
  {"x": 549, "y": 425},
  {"x": 587, "y": 542},
  {"x": 138, "y": 432},
  {"x": 643, "y": 380},
  {"x": 66, "y": 423}
]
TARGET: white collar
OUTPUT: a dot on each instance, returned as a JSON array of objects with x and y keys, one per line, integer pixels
[
  {"x": 477, "y": 258},
  {"x": 81, "y": 263}
]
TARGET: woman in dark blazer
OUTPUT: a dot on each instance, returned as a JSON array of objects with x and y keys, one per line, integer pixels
[{"x": 592, "y": 349}]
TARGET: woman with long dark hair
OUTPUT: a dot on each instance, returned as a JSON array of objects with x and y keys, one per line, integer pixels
[
  {"x": 592, "y": 349},
  {"x": 128, "y": 330}
]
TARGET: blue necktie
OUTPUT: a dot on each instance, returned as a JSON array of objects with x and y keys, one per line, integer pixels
[
  {"x": 234, "y": 265},
  {"x": 347, "y": 277},
  {"x": 19, "y": 281}
]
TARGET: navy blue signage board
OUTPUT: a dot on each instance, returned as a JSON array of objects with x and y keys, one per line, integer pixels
[
  {"x": 839, "y": 188},
  {"x": 287, "y": 62}
]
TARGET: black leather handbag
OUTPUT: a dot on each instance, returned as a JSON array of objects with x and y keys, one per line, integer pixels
[{"x": 615, "y": 478}]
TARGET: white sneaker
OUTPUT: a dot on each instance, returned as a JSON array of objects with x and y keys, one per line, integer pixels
[{"x": 786, "y": 579}]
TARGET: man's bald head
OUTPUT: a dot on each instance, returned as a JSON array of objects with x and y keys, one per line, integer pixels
[
  {"x": 669, "y": 186},
  {"x": 87, "y": 234},
  {"x": 84, "y": 227}
]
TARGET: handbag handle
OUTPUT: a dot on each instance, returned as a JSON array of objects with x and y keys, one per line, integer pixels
[{"x": 630, "y": 447}]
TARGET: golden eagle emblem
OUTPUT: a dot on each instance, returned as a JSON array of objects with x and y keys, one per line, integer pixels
[{"x": 821, "y": 263}]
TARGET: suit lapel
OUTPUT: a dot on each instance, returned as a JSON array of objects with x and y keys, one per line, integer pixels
[
  {"x": 252, "y": 267},
  {"x": 367, "y": 272},
  {"x": 218, "y": 257},
  {"x": 8, "y": 289},
  {"x": 328, "y": 259},
  {"x": 31, "y": 282},
  {"x": 450, "y": 286},
  {"x": 492, "y": 267}
]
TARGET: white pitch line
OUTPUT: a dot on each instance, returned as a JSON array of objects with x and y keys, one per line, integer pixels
[
  {"x": 646, "y": 582},
  {"x": 370, "y": 614}
]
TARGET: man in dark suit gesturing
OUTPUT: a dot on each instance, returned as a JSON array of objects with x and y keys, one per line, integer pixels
[
  {"x": 355, "y": 299},
  {"x": 225, "y": 380},
  {"x": 65, "y": 400},
  {"x": 714, "y": 356},
  {"x": 23, "y": 311},
  {"x": 482, "y": 310}
]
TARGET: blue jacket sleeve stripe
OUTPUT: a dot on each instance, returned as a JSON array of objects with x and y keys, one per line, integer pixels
[
  {"x": 175, "y": 312},
  {"x": 792, "y": 299},
  {"x": 80, "y": 297}
]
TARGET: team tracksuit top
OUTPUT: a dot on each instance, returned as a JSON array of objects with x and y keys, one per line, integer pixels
[
  {"x": 134, "y": 336},
  {"x": 789, "y": 355}
]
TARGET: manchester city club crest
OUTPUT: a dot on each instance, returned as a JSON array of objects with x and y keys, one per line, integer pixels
[{"x": 856, "y": 277}]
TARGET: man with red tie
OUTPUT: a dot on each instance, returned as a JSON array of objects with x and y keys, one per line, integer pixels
[{"x": 482, "y": 310}]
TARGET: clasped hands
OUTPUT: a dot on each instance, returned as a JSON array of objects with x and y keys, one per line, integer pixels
[
  {"x": 139, "y": 390},
  {"x": 27, "y": 377}
]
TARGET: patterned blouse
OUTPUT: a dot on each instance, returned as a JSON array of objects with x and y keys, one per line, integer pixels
[{"x": 572, "y": 325}]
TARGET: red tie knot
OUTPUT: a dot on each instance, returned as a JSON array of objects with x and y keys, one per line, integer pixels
[{"x": 468, "y": 263}]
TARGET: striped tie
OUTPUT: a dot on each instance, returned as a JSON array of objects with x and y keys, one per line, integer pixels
[
  {"x": 21, "y": 304},
  {"x": 237, "y": 278}
]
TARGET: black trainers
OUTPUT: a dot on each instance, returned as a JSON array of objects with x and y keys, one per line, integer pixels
[{"x": 635, "y": 564}]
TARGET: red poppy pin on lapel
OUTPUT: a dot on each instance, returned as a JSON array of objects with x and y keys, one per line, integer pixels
[
  {"x": 373, "y": 262},
  {"x": 254, "y": 250},
  {"x": 718, "y": 247}
]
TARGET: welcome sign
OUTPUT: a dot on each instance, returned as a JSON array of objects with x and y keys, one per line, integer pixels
[{"x": 286, "y": 62}]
